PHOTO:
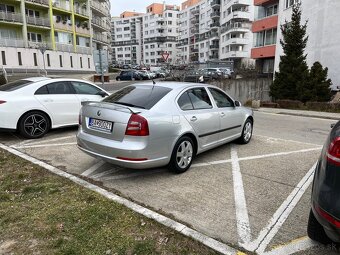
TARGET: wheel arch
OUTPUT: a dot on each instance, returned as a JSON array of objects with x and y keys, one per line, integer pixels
[
  {"x": 35, "y": 110},
  {"x": 193, "y": 138}
]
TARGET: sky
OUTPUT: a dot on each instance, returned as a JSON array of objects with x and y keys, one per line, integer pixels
[{"x": 118, "y": 6}]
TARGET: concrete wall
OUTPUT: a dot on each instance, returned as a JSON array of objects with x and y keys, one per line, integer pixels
[{"x": 246, "y": 89}]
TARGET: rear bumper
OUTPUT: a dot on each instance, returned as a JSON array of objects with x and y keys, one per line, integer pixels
[{"x": 109, "y": 150}]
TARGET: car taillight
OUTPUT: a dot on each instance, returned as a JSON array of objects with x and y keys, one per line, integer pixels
[
  {"x": 137, "y": 126},
  {"x": 2, "y": 101},
  {"x": 327, "y": 216},
  {"x": 333, "y": 153}
]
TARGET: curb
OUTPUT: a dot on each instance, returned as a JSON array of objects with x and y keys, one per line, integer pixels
[{"x": 300, "y": 115}]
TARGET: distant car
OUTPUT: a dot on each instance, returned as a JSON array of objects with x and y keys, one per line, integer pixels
[
  {"x": 324, "y": 217},
  {"x": 126, "y": 67},
  {"x": 33, "y": 106},
  {"x": 201, "y": 75},
  {"x": 147, "y": 75},
  {"x": 130, "y": 75},
  {"x": 168, "y": 123}
]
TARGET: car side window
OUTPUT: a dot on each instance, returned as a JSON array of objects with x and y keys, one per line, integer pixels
[
  {"x": 60, "y": 87},
  {"x": 221, "y": 99},
  {"x": 42, "y": 91},
  {"x": 184, "y": 102},
  {"x": 199, "y": 98},
  {"x": 84, "y": 88}
]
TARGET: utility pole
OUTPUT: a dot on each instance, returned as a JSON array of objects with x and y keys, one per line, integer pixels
[{"x": 101, "y": 66}]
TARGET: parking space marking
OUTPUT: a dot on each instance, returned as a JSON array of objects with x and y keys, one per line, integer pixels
[
  {"x": 126, "y": 176},
  {"x": 93, "y": 168},
  {"x": 282, "y": 213},
  {"x": 50, "y": 140},
  {"x": 42, "y": 145},
  {"x": 242, "y": 219},
  {"x": 179, "y": 227},
  {"x": 285, "y": 140},
  {"x": 99, "y": 175},
  {"x": 300, "y": 244}
]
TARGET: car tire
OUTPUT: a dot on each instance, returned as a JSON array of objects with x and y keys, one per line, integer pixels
[
  {"x": 33, "y": 125},
  {"x": 182, "y": 155},
  {"x": 315, "y": 231},
  {"x": 117, "y": 79},
  {"x": 247, "y": 132}
]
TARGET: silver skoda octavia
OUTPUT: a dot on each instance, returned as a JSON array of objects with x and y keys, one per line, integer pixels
[{"x": 168, "y": 123}]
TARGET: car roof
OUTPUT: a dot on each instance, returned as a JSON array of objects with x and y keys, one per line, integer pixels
[
  {"x": 36, "y": 79},
  {"x": 174, "y": 84}
]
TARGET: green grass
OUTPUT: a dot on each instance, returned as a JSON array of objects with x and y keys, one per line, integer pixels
[{"x": 44, "y": 213}]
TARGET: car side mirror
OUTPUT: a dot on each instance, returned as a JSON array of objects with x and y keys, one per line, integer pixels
[
  {"x": 102, "y": 93},
  {"x": 237, "y": 104}
]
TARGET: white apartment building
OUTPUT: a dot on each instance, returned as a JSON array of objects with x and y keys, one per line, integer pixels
[
  {"x": 322, "y": 30},
  {"x": 139, "y": 38},
  {"x": 126, "y": 43},
  {"x": 212, "y": 31}
]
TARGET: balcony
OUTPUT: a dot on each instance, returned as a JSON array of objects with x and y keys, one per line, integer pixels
[
  {"x": 193, "y": 50},
  {"x": 10, "y": 17},
  {"x": 81, "y": 11},
  {"x": 214, "y": 34},
  {"x": 62, "y": 5},
  {"x": 195, "y": 12},
  {"x": 39, "y": 2},
  {"x": 215, "y": 3},
  {"x": 44, "y": 22},
  {"x": 84, "y": 50},
  {"x": 100, "y": 8},
  {"x": 37, "y": 45},
  {"x": 237, "y": 41},
  {"x": 83, "y": 30},
  {"x": 64, "y": 47},
  {"x": 237, "y": 27},
  {"x": 215, "y": 15},
  {"x": 16, "y": 43},
  {"x": 237, "y": 54},
  {"x": 215, "y": 25},
  {"x": 63, "y": 26},
  {"x": 101, "y": 38},
  {"x": 100, "y": 24},
  {"x": 263, "y": 52},
  {"x": 239, "y": 15},
  {"x": 265, "y": 24},
  {"x": 214, "y": 47},
  {"x": 264, "y": 2}
]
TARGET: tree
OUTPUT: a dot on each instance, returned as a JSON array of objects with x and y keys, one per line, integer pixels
[
  {"x": 292, "y": 77},
  {"x": 318, "y": 85}
]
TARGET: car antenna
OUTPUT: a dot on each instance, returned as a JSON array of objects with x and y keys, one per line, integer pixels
[{"x": 153, "y": 82}]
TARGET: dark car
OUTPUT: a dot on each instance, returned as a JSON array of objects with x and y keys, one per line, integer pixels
[
  {"x": 128, "y": 76},
  {"x": 324, "y": 217},
  {"x": 199, "y": 76}
]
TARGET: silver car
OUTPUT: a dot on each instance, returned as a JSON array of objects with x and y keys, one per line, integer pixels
[{"x": 168, "y": 123}]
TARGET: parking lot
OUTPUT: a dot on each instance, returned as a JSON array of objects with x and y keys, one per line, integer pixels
[{"x": 253, "y": 197}]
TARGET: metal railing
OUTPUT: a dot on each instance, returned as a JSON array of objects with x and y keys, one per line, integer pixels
[
  {"x": 81, "y": 11},
  {"x": 45, "y": 22},
  {"x": 10, "y": 16},
  {"x": 62, "y": 5},
  {"x": 38, "y": 45},
  {"x": 236, "y": 25},
  {"x": 101, "y": 23},
  {"x": 84, "y": 50},
  {"x": 100, "y": 8},
  {"x": 64, "y": 47},
  {"x": 81, "y": 30},
  {"x": 43, "y": 2},
  {"x": 61, "y": 25},
  {"x": 101, "y": 38},
  {"x": 16, "y": 43}
]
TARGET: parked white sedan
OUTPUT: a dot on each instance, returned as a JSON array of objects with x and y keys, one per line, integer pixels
[{"x": 32, "y": 106}]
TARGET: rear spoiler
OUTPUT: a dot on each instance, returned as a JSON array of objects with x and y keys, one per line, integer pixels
[{"x": 117, "y": 106}]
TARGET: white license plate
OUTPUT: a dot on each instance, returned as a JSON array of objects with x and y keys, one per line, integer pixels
[{"x": 102, "y": 125}]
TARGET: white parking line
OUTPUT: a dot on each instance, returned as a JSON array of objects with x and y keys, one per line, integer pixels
[
  {"x": 286, "y": 140},
  {"x": 126, "y": 176},
  {"x": 93, "y": 168},
  {"x": 99, "y": 175},
  {"x": 242, "y": 219},
  {"x": 282, "y": 213},
  {"x": 179, "y": 227},
  {"x": 42, "y": 145},
  {"x": 300, "y": 244}
]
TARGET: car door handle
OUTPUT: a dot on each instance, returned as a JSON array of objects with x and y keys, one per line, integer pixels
[
  {"x": 193, "y": 118},
  {"x": 48, "y": 100},
  {"x": 222, "y": 114}
]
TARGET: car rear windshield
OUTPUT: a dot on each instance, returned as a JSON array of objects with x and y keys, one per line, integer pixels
[
  {"x": 144, "y": 97},
  {"x": 11, "y": 86}
]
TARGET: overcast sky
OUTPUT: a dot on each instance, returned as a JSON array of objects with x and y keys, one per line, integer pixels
[{"x": 118, "y": 6}]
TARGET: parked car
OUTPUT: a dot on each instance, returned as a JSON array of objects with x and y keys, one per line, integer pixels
[
  {"x": 198, "y": 76},
  {"x": 126, "y": 67},
  {"x": 33, "y": 106},
  {"x": 324, "y": 217},
  {"x": 129, "y": 76},
  {"x": 147, "y": 75},
  {"x": 128, "y": 127}
]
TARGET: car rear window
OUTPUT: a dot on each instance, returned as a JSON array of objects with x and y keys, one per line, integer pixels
[
  {"x": 138, "y": 96},
  {"x": 11, "y": 86}
]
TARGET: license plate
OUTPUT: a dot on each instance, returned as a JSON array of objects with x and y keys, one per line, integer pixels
[{"x": 102, "y": 125}]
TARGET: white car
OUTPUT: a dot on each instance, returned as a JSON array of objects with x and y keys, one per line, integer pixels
[{"x": 32, "y": 106}]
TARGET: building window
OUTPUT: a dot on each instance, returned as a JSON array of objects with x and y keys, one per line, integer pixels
[
  {"x": 71, "y": 61},
  {"x": 290, "y": 3},
  {"x": 81, "y": 62},
  {"x": 34, "y": 37},
  {"x": 48, "y": 60},
  {"x": 19, "y": 59},
  {"x": 265, "y": 38},
  {"x": 61, "y": 60},
  {"x": 3, "y": 56},
  {"x": 35, "y": 59},
  {"x": 88, "y": 63}
]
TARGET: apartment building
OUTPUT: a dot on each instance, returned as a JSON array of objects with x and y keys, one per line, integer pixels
[
  {"x": 126, "y": 44},
  {"x": 211, "y": 30},
  {"x": 66, "y": 31},
  {"x": 160, "y": 31}
]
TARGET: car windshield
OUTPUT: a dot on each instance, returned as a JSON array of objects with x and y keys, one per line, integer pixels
[
  {"x": 11, "y": 86},
  {"x": 144, "y": 97}
]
